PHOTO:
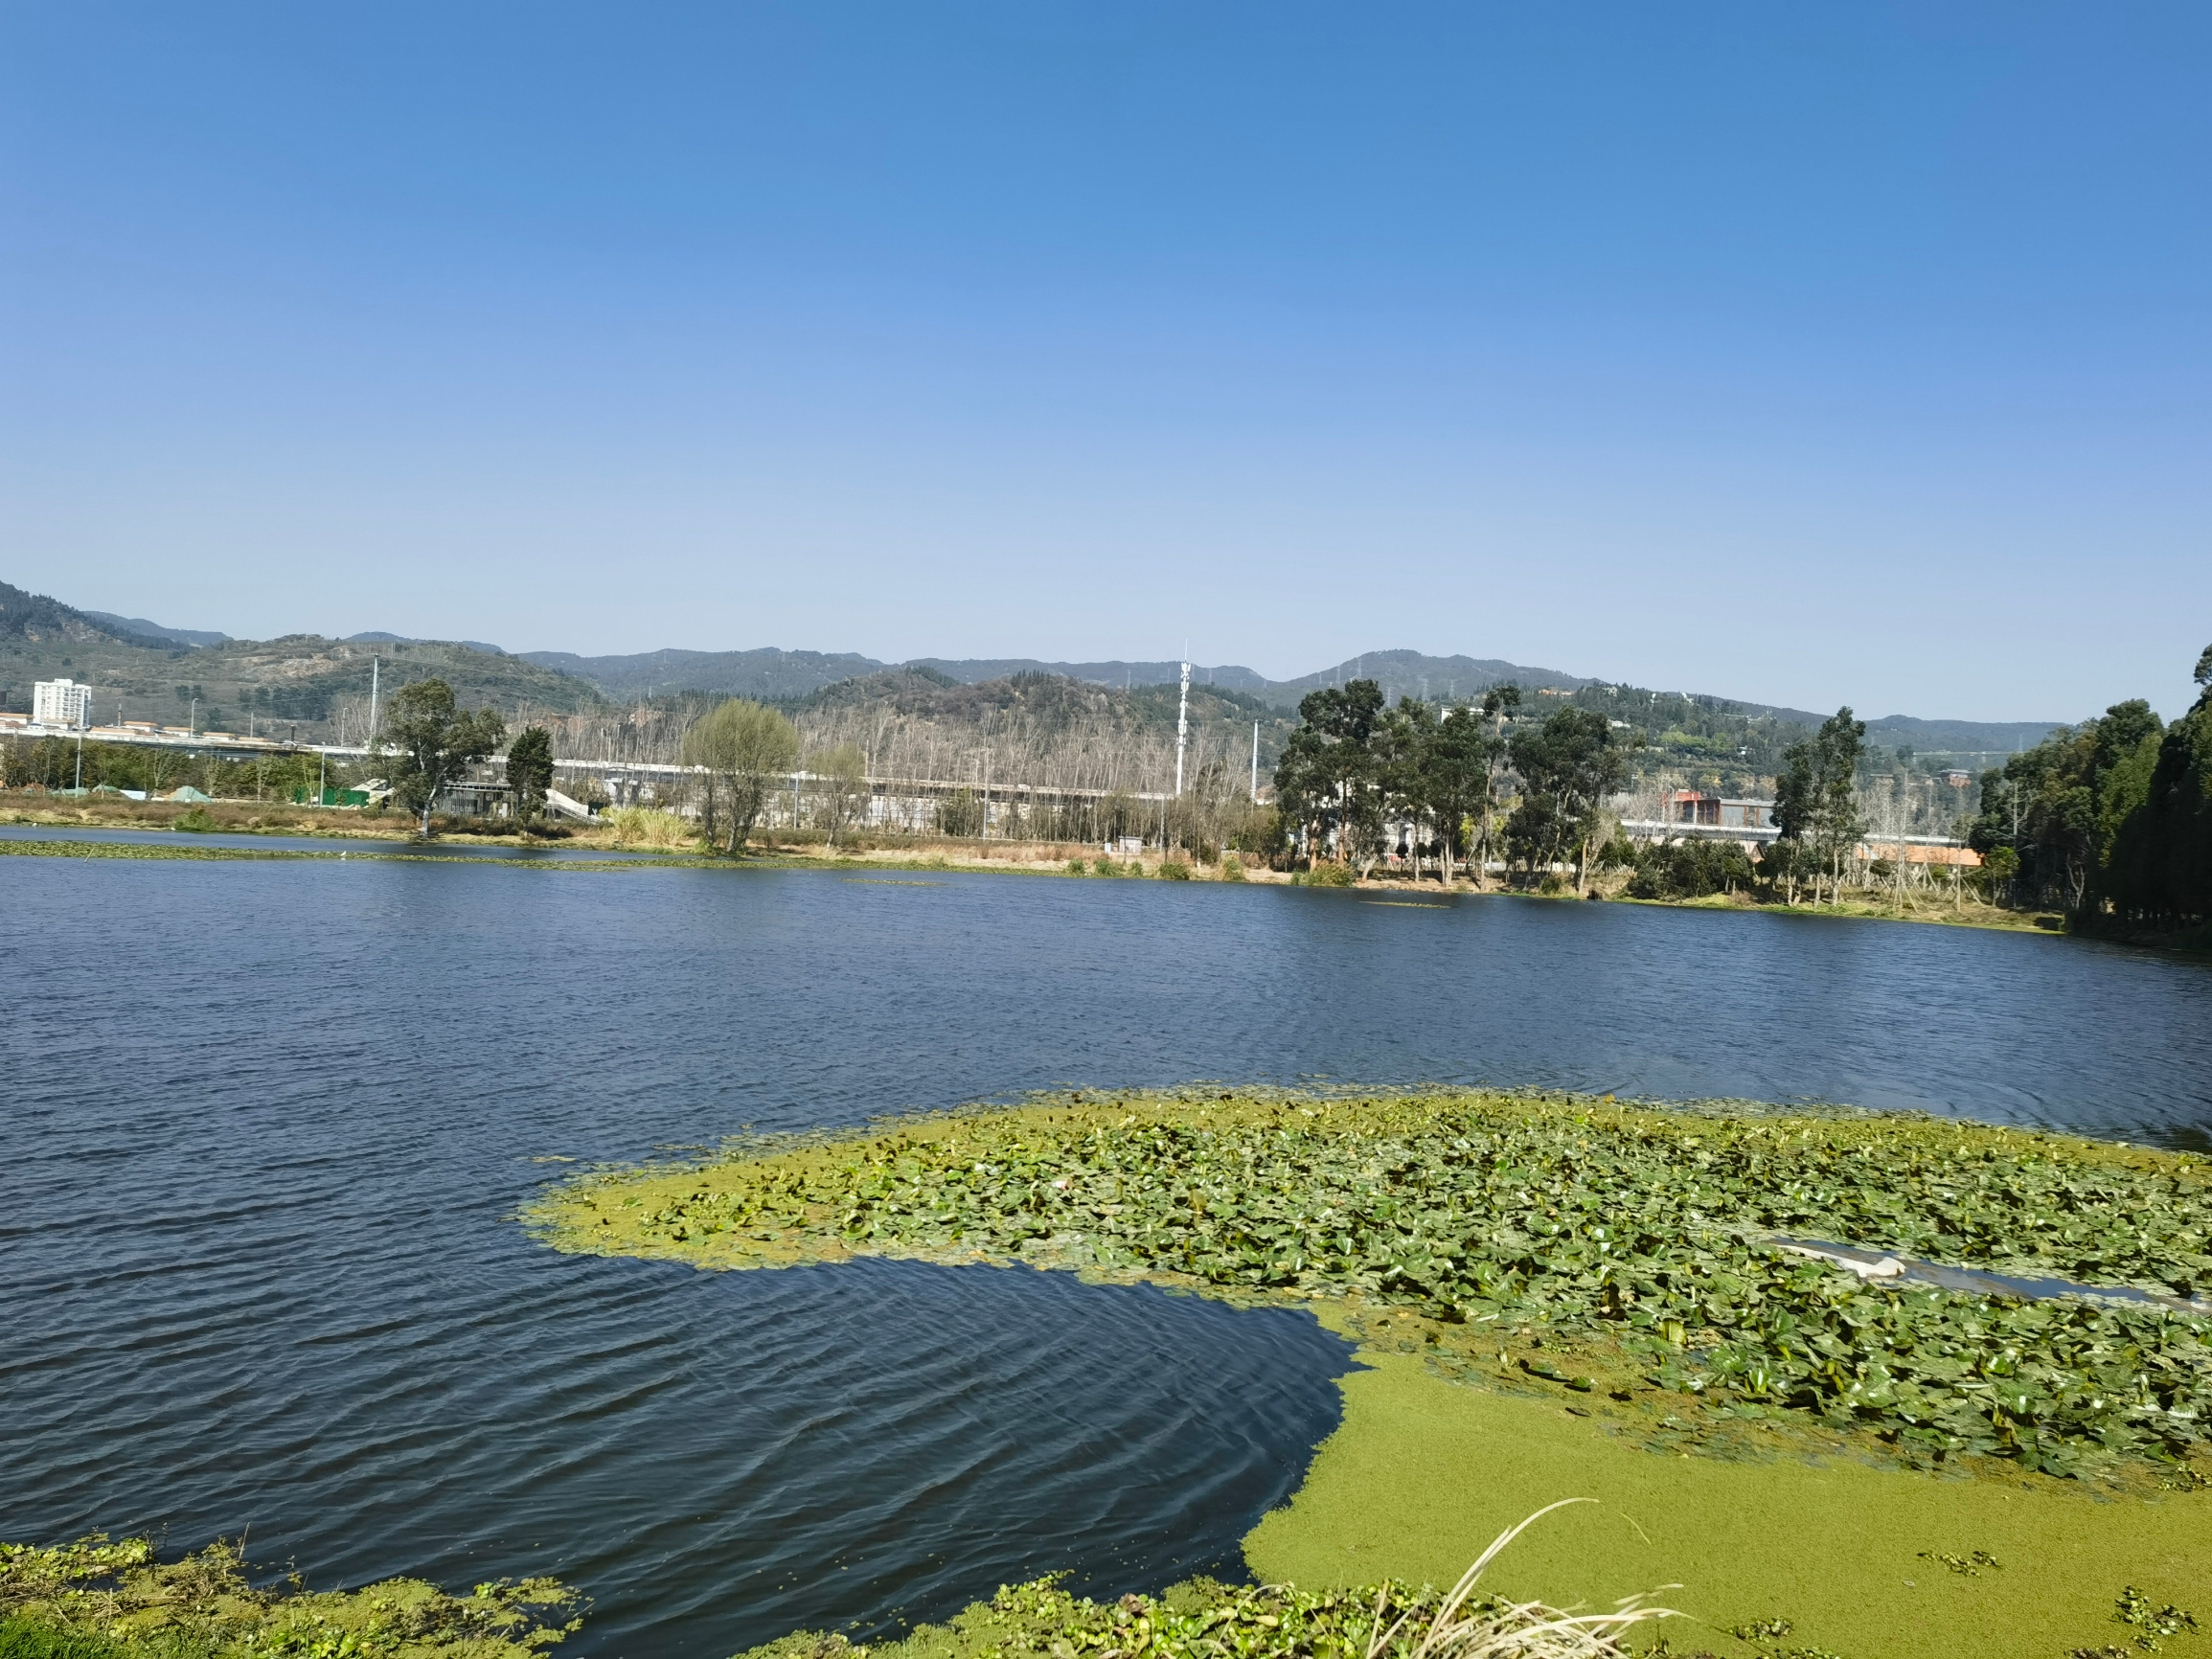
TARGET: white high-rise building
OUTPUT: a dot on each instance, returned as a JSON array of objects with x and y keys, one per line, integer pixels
[{"x": 61, "y": 703}]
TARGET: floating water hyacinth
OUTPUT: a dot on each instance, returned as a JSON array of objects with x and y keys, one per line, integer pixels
[{"x": 1642, "y": 1237}]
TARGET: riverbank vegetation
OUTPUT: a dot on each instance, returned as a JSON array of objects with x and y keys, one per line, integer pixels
[
  {"x": 1204, "y": 1619},
  {"x": 102, "y": 1598},
  {"x": 2111, "y": 820}
]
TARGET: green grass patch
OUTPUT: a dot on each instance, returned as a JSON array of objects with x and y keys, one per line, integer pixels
[{"x": 33, "y": 1639}]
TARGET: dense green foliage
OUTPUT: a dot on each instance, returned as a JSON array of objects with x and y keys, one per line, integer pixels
[
  {"x": 1644, "y": 1232},
  {"x": 1329, "y": 782},
  {"x": 2110, "y": 819},
  {"x": 1567, "y": 767},
  {"x": 530, "y": 770},
  {"x": 1689, "y": 870},
  {"x": 1354, "y": 768},
  {"x": 426, "y": 741},
  {"x": 97, "y": 1599},
  {"x": 1816, "y": 801}
]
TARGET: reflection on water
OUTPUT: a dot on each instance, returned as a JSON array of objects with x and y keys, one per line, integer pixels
[{"x": 266, "y": 1124}]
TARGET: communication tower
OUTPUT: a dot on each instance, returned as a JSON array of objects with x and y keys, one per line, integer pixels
[{"x": 1182, "y": 727}]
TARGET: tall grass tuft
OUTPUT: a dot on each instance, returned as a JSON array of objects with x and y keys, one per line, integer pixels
[
  {"x": 1205, "y": 1618},
  {"x": 1504, "y": 1630},
  {"x": 645, "y": 826}
]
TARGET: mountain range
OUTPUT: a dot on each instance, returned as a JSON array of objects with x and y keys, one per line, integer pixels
[{"x": 154, "y": 669}]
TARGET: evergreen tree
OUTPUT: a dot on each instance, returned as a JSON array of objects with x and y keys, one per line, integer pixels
[
  {"x": 1817, "y": 802},
  {"x": 431, "y": 742},
  {"x": 1568, "y": 765},
  {"x": 530, "y": 770},
  {"x": 1328, "y": 781}
]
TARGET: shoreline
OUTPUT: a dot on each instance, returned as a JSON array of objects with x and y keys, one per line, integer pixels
[{"x": 1041, "y": 858}]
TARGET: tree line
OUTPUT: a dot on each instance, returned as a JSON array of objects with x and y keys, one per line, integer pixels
[
  {"x": 1483, "y": 783},
  {"x": 1355, "y": 769},
  {"x": 2111, "y": 820}
]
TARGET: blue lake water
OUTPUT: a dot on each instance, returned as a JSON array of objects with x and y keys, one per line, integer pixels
[{"x": 265, "y": 1127}]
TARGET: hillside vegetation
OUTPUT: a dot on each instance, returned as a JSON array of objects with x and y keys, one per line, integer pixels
[{"x": 303, "y": 683}]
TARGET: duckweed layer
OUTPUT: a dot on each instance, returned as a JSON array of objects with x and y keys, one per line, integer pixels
[
  {"x": 1851, "y": 1561},
  {"x": 1604, "y": 1248}
]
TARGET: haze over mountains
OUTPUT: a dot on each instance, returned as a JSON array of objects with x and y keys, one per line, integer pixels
[{"x": 566, "y": 680}]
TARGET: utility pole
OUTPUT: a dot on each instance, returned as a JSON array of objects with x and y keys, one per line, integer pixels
[
  {"x": 1183, "y": 723},
  {"x": 375, "y": 666},
  {"x": 84, "y": 709},
  {"x": 1255, "y": 762}
]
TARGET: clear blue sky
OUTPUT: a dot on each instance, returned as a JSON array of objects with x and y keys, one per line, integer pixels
[{"x": 1802, "y": 353}]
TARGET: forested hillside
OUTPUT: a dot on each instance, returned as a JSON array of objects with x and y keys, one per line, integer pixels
[{"x": 304, "y": 685}]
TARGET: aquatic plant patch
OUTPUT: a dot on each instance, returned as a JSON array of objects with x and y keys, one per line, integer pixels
[
  {"x": 1203, "y": 1618},
  {"x": 1629, "y": 1242},
  {"x": 102, "y": 1598}
]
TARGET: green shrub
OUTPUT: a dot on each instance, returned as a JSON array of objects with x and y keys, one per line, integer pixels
[
  {"x": 196, "y": 821},
  {"x": 1690, "y": 870},
  {"x": 1077, "y": 867},
  {"x": 1619, "y": 853},
  {"x": 1106, "y": 866},
  {"x": 1174, "y": 869},
  {"x": 1232, "y": 868},
  {"x": 1328, "y": 875}
]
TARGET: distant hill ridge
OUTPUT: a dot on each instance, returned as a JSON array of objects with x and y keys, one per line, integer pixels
[
  {"x": 34, "y": 621},
  {"x": 773, "y": 674},
  {"x": 37, "y": 619}
]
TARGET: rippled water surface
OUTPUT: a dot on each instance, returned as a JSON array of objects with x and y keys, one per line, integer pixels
[{"x": 265, "y": 1126}]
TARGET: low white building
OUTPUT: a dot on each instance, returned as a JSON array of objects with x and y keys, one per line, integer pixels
[{"x": 61, "y": 703}]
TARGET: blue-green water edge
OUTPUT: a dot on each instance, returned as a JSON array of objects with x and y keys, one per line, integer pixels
[{"x": 264, "y": 1125}]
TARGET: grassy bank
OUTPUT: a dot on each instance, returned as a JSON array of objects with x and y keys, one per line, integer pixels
[
  {"x": 1869, "y": 908},
  {"x": 1567, "y": 1297}
]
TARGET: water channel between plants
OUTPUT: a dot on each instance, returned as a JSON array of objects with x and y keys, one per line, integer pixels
[{"x": 267, "y": 1126}]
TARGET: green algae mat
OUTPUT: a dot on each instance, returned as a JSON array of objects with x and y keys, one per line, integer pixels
[
  {"x": 1563, "y": 1297},
  {"x": 103, "y": 1599}
]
